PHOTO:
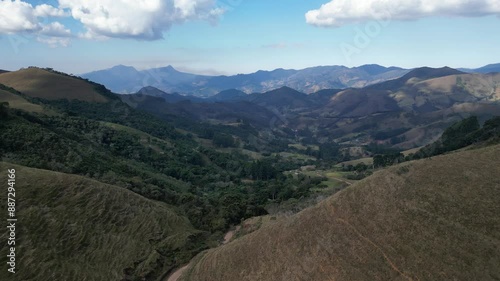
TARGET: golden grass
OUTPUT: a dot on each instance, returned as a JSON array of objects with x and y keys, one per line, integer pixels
[
  {"x": 434, "y": 219},
  {"x": 411, "y": 151},
  {"x": 40, "y": 83},
  {"x": 366, "y": 161},
  {"x": 74, "y": 228},
  {"x": 18, "y": 102}
]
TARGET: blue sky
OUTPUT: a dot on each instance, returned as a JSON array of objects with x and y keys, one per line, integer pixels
[{"x": 243, "y": 36}]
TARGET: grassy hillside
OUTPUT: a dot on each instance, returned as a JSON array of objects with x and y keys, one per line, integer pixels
[
  {"x": 42, "y": 83},
  {"x": 18, "y": 102},
  {"x": 434, "y": 219},
  {"x": 74, "y": 228}
]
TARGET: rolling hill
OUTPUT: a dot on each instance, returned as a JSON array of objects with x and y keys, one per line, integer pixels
[
  {"x": 433, "y": 219},
  {"x": 284, "y": 97},
  {"x": 74, "y": 228},
  {"x": 47, "y": 84}
]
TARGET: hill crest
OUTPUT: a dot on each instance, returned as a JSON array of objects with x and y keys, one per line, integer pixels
[{"x": 48, "y": 84}]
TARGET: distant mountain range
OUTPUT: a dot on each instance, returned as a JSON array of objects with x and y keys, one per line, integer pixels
[
  {"x": 414, "y": 108},
  {"x": 126, "y": 79},
  {"x": 485, "y": 69}
]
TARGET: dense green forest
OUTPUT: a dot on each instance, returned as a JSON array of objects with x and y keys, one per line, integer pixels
[{"x": 116, "y": 144}]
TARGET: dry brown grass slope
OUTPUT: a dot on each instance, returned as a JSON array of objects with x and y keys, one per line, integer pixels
[
  {"x": 434, "y": 219},
  {"x": 73, "y": 228},
  {"x": 19, "y": 102},
  {"x": 41, "y": 83}
]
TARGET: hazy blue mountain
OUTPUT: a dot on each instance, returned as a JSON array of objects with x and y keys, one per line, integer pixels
[
  {"x": 168, "y": 97},
  {"x": 229, "y": 96},
  {"x": 489, "y": 68},
  {"x": 485, "y": 69},
  {"x": 283, "y": 97},
  {"x": 421, "y": 73},
  {"x": 119, "y": 79},
  {"x": 122, "y": 79}
]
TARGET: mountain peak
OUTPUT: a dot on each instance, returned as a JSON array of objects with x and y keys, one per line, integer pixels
[
  {"x": 122, "y": 67},
  {"x": 429, "y": 72},
  {"x": 168, "y": 68},
  {"x": 285, "y": 88}
]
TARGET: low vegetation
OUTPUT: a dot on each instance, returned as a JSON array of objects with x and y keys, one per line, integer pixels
[
  {"x": 430, "y": 219},
  {"x": 74, "y": 228}
]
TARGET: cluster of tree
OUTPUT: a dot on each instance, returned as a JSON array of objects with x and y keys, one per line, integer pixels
[
  {"x": 263, "y": 170},
  {"x": 384, "y": 160},
  {"x": 461, "y": 134},
  {"x": 223, "y": 140},
  {"x": 383, "y": 135},
  {"x": 205, "y": 184}
]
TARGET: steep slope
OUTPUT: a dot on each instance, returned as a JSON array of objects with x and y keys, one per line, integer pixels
[
  {"x": 42, "y": 83},
  {"x": 283, "y": 97},
  {"x": 74, "y": 228},
  {"x": 384, "y": 96},
  {"x": 427, "y": 100},
  {"x": 229, "y": 96},
  {"x": 434, "y": 219},
  {"x": 18, "y": 102},
  {"x": 418, "y": 74}
]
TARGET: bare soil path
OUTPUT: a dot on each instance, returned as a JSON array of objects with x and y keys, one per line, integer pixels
[{"x": 177, "y": 274}]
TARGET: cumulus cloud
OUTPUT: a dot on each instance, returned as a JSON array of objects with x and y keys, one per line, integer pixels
[
  {"x": 341, "y": 12},
  {"x": 21, "y": 17},
  {"x": 17, "y": 16},
  {"x": 140, "y": 19},
  {"x": 45, "y": 10},
  {"x": 55, "y": 29},
  {"x": 101, "y": 19}
]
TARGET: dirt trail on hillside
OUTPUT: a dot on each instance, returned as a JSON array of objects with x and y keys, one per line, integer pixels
[
  {"x": 177, "y": 274},
  {"x": 230, "y": 235},
  {"x": 341, "y": 180}
]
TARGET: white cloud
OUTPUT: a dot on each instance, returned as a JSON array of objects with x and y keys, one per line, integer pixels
[
  {"x": 45, "y": 10},
  {"x": 341, "y": 12},
  {"x": 21, "y": 17},
  {"x": 17, "y": 16},
  {"x": 141, "y": 19},
  {"x": 55, "y": 29},
  {"x": 54, "y": 42}
]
